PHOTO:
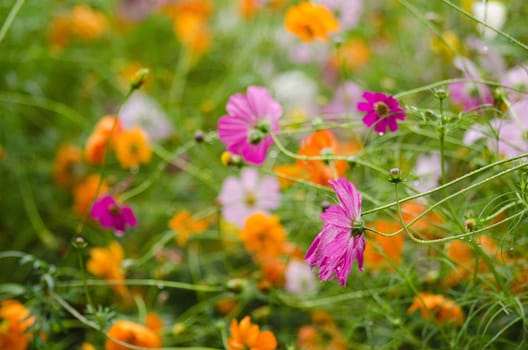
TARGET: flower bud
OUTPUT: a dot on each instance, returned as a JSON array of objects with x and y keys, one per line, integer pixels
[
  {"x": 138, "y": 79},
  {"x": 395, "y": 175},
  {"x": 230, "y": 159},
  {"x": 199, "y": 136},
  {"x": 79, "y": 242},
  {"x": 236, "y": 285}
]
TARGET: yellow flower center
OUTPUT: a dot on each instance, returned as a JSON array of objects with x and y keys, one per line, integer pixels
[{"x": 381, "y": 109}]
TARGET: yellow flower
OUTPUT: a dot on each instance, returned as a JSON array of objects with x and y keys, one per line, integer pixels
[
  {"x": 106, "y": 263},
  {"x": 133, "y": 148},
  {"x": 184, "y": 224},
  {"x": 311, "y": 21}
]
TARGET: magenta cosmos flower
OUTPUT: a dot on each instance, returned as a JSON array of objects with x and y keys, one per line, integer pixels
[
  {"x": 246, "y": 129},
  {"x": 342, "y": 240},
  {"x": 111, "y": 215},
  {"x": 249, "y": 194},
  {"x": 382, "y": 111}
]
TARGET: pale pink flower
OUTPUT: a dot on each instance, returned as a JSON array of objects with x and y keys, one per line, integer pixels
[
  {"x": 345, "y": 100},
  {"x": 299, "y": 278},
  {"x": 341, "y": 241},
  {"x": 246, "y": 129},
  {"x": 249, "y": 194}
]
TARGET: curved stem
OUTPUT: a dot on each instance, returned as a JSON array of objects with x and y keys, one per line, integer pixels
[{"x": 10, "y": 18}]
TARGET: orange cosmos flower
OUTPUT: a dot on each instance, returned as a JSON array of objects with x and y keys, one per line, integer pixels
[
  {"x": 286, "y": 174},
  {"x": 102, "y": 138},
  {"x": 310, "y": 21},
  {"x": 133, "y": 148},
  {"x": 60, "y": 32},
  {"x": 322, "y": 334},
  {"x": 66, "y": 162},
  {"x": 246, "y": 335},
  {"x": 133, "y": 334},
  {"x": 383, "y": 252},
  {"x": 318, "y": 144},
  {"x": 87, "y": 23},
  {"x": 427, "y": 226},
  {"x": 436, "y": 306},
  {"x": 86, "y": 192},
  {"x": 15, "y": 319},
  {"x": 184, "y": 224},
  {"x": 190, "y": 23},
  {"x": 353, "y": 55},
  {"x": 106, "y": 263},
  {"x": 263, "y": 236}
]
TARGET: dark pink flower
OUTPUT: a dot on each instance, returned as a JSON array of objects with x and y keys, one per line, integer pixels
[
  {"x": 382, "y": 111},
  {"x": 111, "y": 215},
  {"x": 246, "y": 129},
  {"x": 341, "y": 240}
]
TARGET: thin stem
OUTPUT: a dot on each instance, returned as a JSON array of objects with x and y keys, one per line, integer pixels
[
  {"x": 85, "y": 285},
  {"x": 143, "y": 282},
  {"x": 10, "y": 18},
  {"x": 451, "y": 183},
  {"x": 500, "y": 32}
]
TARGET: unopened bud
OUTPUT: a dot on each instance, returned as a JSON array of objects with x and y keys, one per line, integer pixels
[
  {"x": 470, "y": 224},
  {"x": 199, "y": 136},
  {"x": 440, "y": 93},
  {"x": 236, "y": 285},
  {"x": 138, "y": 79},
  {"x": 79, "y": 242},
  {"x": 395, "y": 175},
  {"x": 230, "y": 159},
  {"x": 325, "y": 205}
]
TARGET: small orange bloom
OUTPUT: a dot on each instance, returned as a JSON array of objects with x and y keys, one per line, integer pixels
[
  {"x": 273, "y": 271},
  {"x": 263, "y": 236},
  {"x": 321, "y": 143},
  {"x": 426, "y": 227},
  {"x": 310, "y": 21},
  {"x": 190, "y": 23},
  {"x": 436, "y": 306},
  {"x": 60, "y": 32},
  {"x": 87, "y": 23},
  {"x": 133, "y": 334},
  {"x": 246, "y": 335},
  {"x": 66, "y": 162},
  {"x": 106, "y": 263},
  {"x": 86, "y": 192},
  {"x": 184, "y": 224},
  {"x": 15, "y": 319},
  {"x": 133, "y": 148},
  {"x": 352, "y": 55},
  {"x": 87, "y": 346},
  {"x": 384, "y": 252},
  {"x": 322, "y": 334},
  {"x": 102, "y": 138},
  {"x": 286, "y": 174}
]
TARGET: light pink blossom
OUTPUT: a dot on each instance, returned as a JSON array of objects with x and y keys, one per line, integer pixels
[{"x": 249, "y": 194}]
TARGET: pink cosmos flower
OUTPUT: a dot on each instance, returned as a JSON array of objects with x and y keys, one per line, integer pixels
[
  {"x": 349, "y": 11},
  {"x": 346, "y": 98},
  {"x": 112, "y": 215},
  {"x": 470, "y": 96},
  {"x": 382, "y": 111},
  {"x": 249, "y": 194},
  {"x": 246, "y": 129},
  {"x": 342, "y": 240},
  {"x": 299, "y": 278},
  {"x": 508, "y": 136}
]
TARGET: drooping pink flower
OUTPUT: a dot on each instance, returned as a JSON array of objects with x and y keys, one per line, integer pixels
[
  {"x": 112, "y": 215},
  {"x": 249, "y": 194},
  {"x": 382, "y": 111},
  {"x": 246, "y": 129},
  {"x": 341, "y": 240}
]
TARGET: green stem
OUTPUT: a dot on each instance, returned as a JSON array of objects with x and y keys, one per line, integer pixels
[
  {"x": 85, "y": 285},
  {"x": 451, "y": 183},
  {"x": 10, "y": 18},
  {"x": 501, "y": 33},
  {"x": 143, "y": 282}
]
